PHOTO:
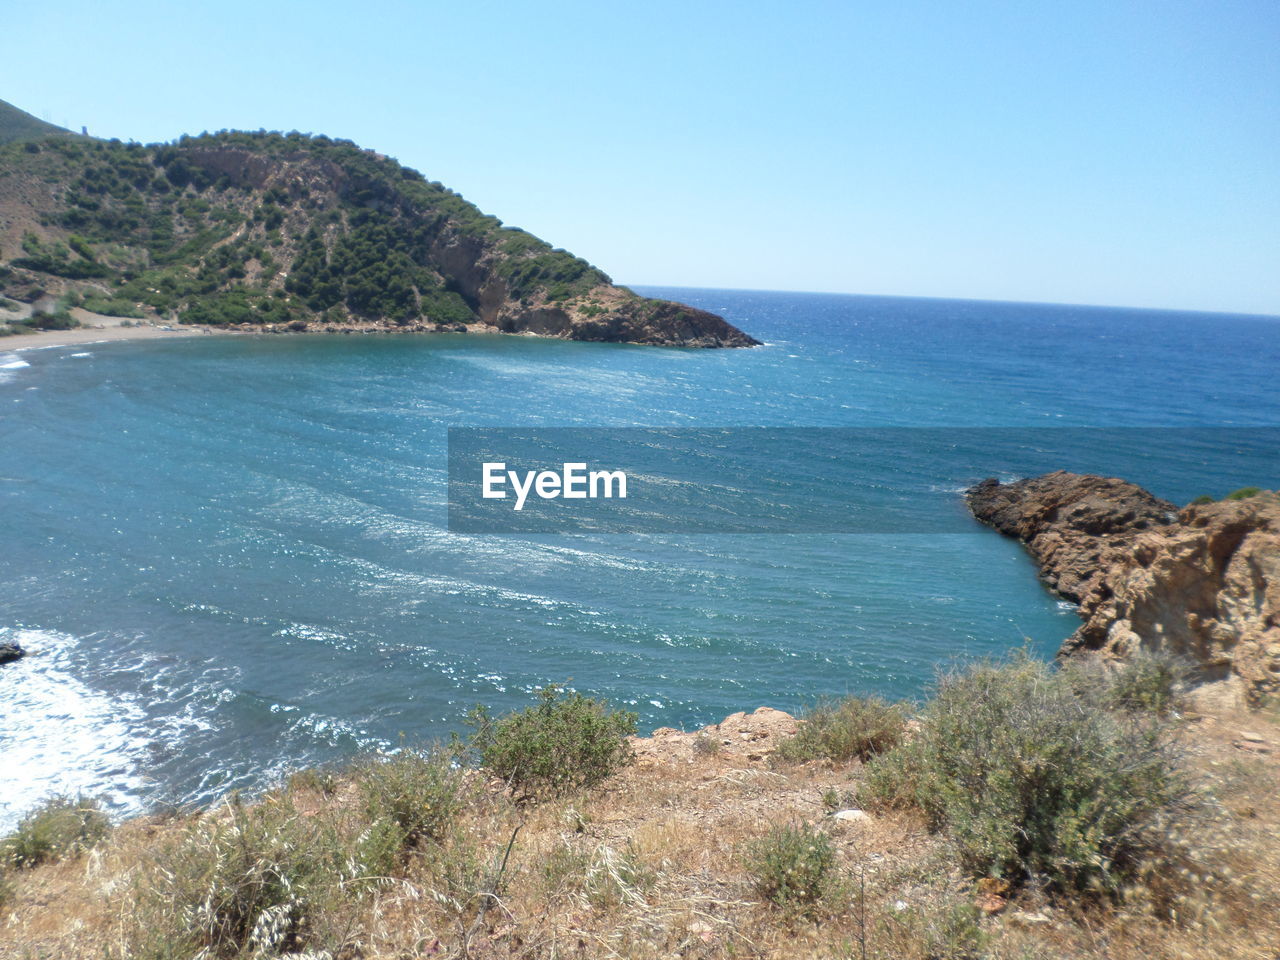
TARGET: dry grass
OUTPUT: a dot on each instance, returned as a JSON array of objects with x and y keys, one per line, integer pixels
[{"x": 650, "y": 864}]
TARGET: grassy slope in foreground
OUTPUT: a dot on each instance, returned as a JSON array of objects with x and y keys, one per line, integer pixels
[
  {"x": 977, "y": 819},
  {"x": 301, "y": 231}
]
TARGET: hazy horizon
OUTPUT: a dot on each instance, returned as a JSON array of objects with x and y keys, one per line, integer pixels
[{"x": 912, "y": 296}]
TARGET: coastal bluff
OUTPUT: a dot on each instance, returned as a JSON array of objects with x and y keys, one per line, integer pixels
[
  {"x": 268, "y": 232},
  {"x": 1201, "y": 582}
]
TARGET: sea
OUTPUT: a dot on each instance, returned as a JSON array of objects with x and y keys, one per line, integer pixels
[{"x": 231, "y": 557}]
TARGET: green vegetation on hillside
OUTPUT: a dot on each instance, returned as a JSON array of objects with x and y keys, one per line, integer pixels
[
  {"x": 567, "y": 742},
  {"x": 233, "y": 228},
  {"x": 61, "y": 826},
  {"x": 40, "y": 320},
  {"x": 18, "y": 125}
]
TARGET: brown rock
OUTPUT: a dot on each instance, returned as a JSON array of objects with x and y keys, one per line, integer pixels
[
  {"x": 750, "y": 736},
  {"x": 1203, "y": 583}
]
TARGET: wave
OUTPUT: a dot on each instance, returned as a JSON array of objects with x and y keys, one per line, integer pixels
[{"x": 60, "y": 735}]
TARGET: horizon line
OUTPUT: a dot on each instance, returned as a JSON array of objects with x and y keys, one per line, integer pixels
[{"x": 914, "y": 296}]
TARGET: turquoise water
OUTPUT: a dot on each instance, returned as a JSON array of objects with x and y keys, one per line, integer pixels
[{"x": 229, "y": 555}]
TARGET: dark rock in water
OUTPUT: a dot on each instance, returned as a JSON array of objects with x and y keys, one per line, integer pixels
[
  {"x": 1202, "y": 583},
  {"x": 10, "y": 651}
]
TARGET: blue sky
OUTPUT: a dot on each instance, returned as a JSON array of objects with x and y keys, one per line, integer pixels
[{"x": 1085, "y": 152}]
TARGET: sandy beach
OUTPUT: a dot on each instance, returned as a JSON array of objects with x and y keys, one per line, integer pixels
[{"x": 101, "y": 330}]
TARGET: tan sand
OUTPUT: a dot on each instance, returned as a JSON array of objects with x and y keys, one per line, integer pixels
[{"x": 103, "y": 329}]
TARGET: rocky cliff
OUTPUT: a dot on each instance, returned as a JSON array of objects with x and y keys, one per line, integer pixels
[
  {"x": 1202, "y": 582},
  {"x": 297, "y": 232}
]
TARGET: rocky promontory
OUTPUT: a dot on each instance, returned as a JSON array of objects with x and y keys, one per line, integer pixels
[
  {"x": 295, "y": 232},
  {"x": 1202, "y": 582}
]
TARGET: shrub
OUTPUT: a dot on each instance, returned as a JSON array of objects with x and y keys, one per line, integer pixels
[
  {"x": 565, "y": 742},
  {"x": 1148, "y": 681},
  {"x": 1032, "y": 778},
  {"x": 320, "y": 780},
  {"x": 834, "y": 800},
  {"x": 241, "y": 880},
  {"x": 707, "y": 746},
  {"x": 420, "y": 792},
  {"x": 61, "y": 826},
  {"x": 842, "y": 730},
  {"x": 1244, "y": 493},
  {"x": 792, "y": 867},
  {"x": 50, "y": 321},
  {"x": 112, "y": 307}
]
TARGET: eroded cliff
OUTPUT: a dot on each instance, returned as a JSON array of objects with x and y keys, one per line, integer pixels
[{"x": 1202, "y": 582}]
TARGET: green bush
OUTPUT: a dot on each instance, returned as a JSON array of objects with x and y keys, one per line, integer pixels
[
  {"x": 1033, "y": 778},
  {"x": 565, "y": 742},
  {"x": 61, "y": 826},
  {"x": 419, "y": 792},
  {"x": 56, "y": 258},
  {"x": 792, "y": 867},
  {"x": 235, "y": 306},
  {"x": 49, "y": 321},
  {"x": 844, "y": 730},
  {"x": 1244, "y": 493},
  {"x": 112, "y": 307}
]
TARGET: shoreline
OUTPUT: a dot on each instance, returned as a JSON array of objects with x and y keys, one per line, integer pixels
[{"x": 77, "y": 336}]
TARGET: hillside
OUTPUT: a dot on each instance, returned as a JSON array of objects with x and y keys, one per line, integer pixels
[
  {"x": 17, "y": 125},
  {"x": 297, "y": 232}
]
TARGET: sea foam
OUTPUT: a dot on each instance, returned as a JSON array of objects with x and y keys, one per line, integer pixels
[{"x": 60, "y": 735}]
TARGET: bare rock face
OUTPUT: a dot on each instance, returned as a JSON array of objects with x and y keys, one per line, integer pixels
[
  {"x": 1068, "y": 522},
  {"x": 1203, "y": 582},
  {"x": 750, "y": 737}
]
